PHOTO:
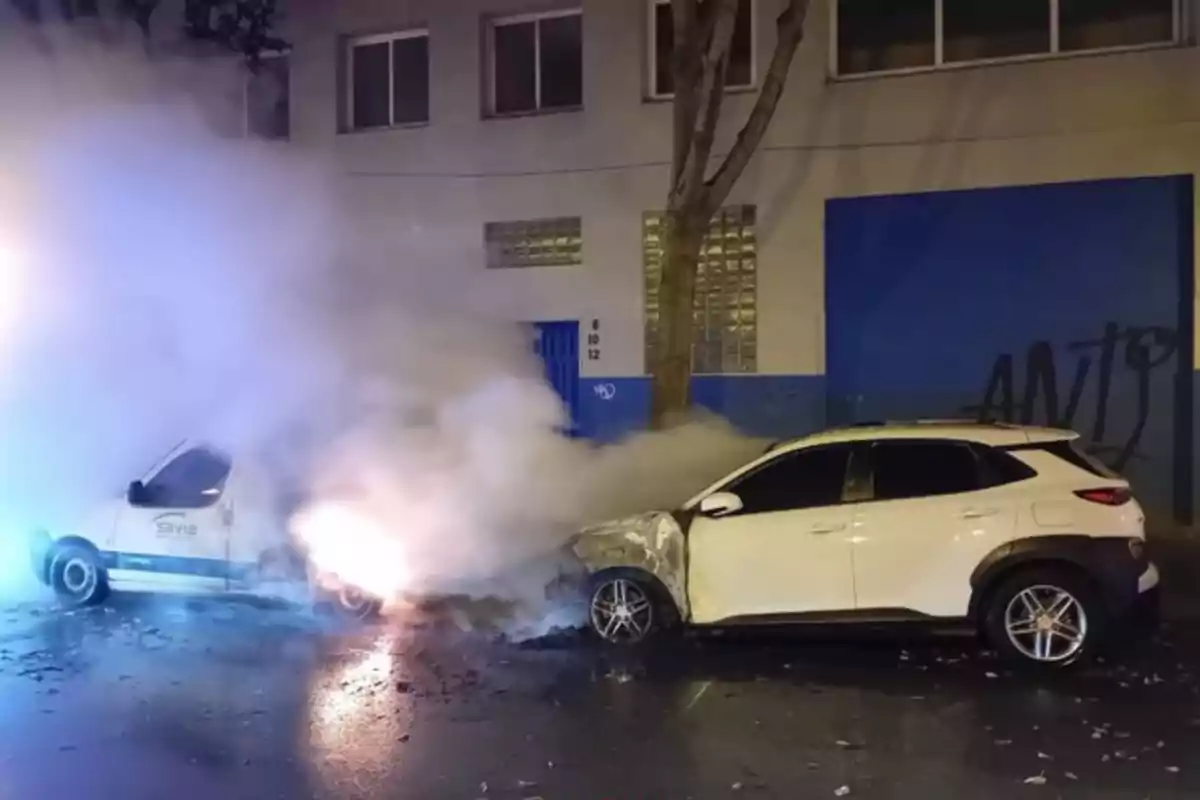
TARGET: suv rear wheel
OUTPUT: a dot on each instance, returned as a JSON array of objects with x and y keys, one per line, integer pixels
[{"x": 1045, "y": 617}]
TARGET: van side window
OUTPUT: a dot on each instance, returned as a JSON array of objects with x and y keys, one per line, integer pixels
[{"x": 193, "y": 479}]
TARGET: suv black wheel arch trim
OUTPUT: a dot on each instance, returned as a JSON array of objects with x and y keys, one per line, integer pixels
[{"x": 1106, "y": 560}]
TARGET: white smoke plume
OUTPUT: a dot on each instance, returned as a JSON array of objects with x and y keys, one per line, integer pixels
[{"x": 161, "y": 282}]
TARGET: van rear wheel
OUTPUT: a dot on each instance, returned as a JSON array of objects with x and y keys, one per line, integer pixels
[
  {"x": 78, "y": 577},
  {"x": 357, "y": 604}
]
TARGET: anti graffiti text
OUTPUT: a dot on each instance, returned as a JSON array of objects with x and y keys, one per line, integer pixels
[{"x": 1138, "y": 349}]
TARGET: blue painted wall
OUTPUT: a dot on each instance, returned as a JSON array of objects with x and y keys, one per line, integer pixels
[
  {"x": 764, "y": 405},
  {"x": 1064, "y": 304}
]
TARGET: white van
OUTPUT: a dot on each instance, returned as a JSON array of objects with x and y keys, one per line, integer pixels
[{"x": 195, "y": 523}]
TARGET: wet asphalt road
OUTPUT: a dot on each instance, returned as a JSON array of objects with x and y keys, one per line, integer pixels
[{"x": 222, "y": 699}]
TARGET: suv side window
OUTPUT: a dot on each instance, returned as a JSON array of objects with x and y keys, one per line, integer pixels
[
  {"x": 999, "y": 468},
  {"x": 907, "y": 469},
  {"x": 806, "y": 478},
  {"x": 193, "y": 479}
]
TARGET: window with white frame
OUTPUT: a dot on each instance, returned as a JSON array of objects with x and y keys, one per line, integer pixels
[
  {"x": 267, "y": 98},
  {"x": 71, "y": 9},
  {"x": 387, "y": 79},
  {"x": 872, "y": 36},
  {"x": 535, "y": 63},
  {"x": 554, "y": 242},
  {"x": 739, "y": 73},
  {"x": 725, "y": 304}
]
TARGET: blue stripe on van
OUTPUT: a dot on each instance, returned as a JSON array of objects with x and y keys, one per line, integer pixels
[{"x": 178, "y": 565}]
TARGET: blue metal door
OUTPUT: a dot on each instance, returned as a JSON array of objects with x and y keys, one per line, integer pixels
[{"x": 557, "y": 343}]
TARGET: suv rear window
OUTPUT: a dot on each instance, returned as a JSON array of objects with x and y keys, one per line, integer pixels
[
  {"x": 1070, "y": 451},
  {"x": 998, "y": 468}
]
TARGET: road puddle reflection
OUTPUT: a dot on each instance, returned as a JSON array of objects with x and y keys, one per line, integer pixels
[{"x": 360, "y": 712}]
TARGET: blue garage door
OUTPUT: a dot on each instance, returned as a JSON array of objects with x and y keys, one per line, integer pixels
[
  {"x": 557, "y": 343},
  {"x": 1062, "y": 304}
]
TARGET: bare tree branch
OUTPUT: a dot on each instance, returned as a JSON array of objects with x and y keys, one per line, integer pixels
[
  {"x": 711, "y": 95},
  {"x": 790, "y": 31},
  {"x": 685, "y": 61}
]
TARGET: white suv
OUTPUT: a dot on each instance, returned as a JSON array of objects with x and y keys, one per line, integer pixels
[{"x": 1012, "y": 528}]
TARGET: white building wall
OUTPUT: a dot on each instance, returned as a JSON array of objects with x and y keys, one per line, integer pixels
[{"x": 424, "y": 193}]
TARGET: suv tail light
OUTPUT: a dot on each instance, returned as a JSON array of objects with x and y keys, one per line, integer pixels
[{"x": 1106, "y": 497}]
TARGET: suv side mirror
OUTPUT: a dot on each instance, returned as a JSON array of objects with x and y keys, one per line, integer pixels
[
  {"x": 136, "y": 494},
  {"x": 720, "y": 504}
]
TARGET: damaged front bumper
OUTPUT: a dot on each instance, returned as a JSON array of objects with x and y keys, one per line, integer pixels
[
  {"x": 570, "y": 582},
  {"x": 651, "y": 543}
]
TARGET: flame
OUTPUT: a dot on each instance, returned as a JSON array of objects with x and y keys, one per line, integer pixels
[{"x": 351, "y": 546}]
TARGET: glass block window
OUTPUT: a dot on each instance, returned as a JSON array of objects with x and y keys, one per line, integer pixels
[
  {"x": 724, "y": 311},
  {"x": 556, "y": 242}
]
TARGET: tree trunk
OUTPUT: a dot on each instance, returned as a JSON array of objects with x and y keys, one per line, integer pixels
[
  {"x": 672, "y": 370},
  {"x": 703, "y": 34}
]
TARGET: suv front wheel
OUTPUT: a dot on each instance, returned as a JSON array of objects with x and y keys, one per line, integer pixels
[
  {"x": 625, "y": 608},
  {"x": 1046, "y": 617}
]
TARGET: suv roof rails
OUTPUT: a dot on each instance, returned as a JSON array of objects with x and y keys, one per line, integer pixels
[{"x": 883, "y": 423}]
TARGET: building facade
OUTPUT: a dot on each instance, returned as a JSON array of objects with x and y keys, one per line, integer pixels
[{"x": 955, "y": 212}]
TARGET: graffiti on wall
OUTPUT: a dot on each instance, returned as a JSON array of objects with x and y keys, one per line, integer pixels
[{"x": 1119, "y": 351}]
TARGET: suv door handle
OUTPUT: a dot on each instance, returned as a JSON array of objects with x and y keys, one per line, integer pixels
[
  {"x": 980, "y": 513},
  {"x": 822, "y": 529}
]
